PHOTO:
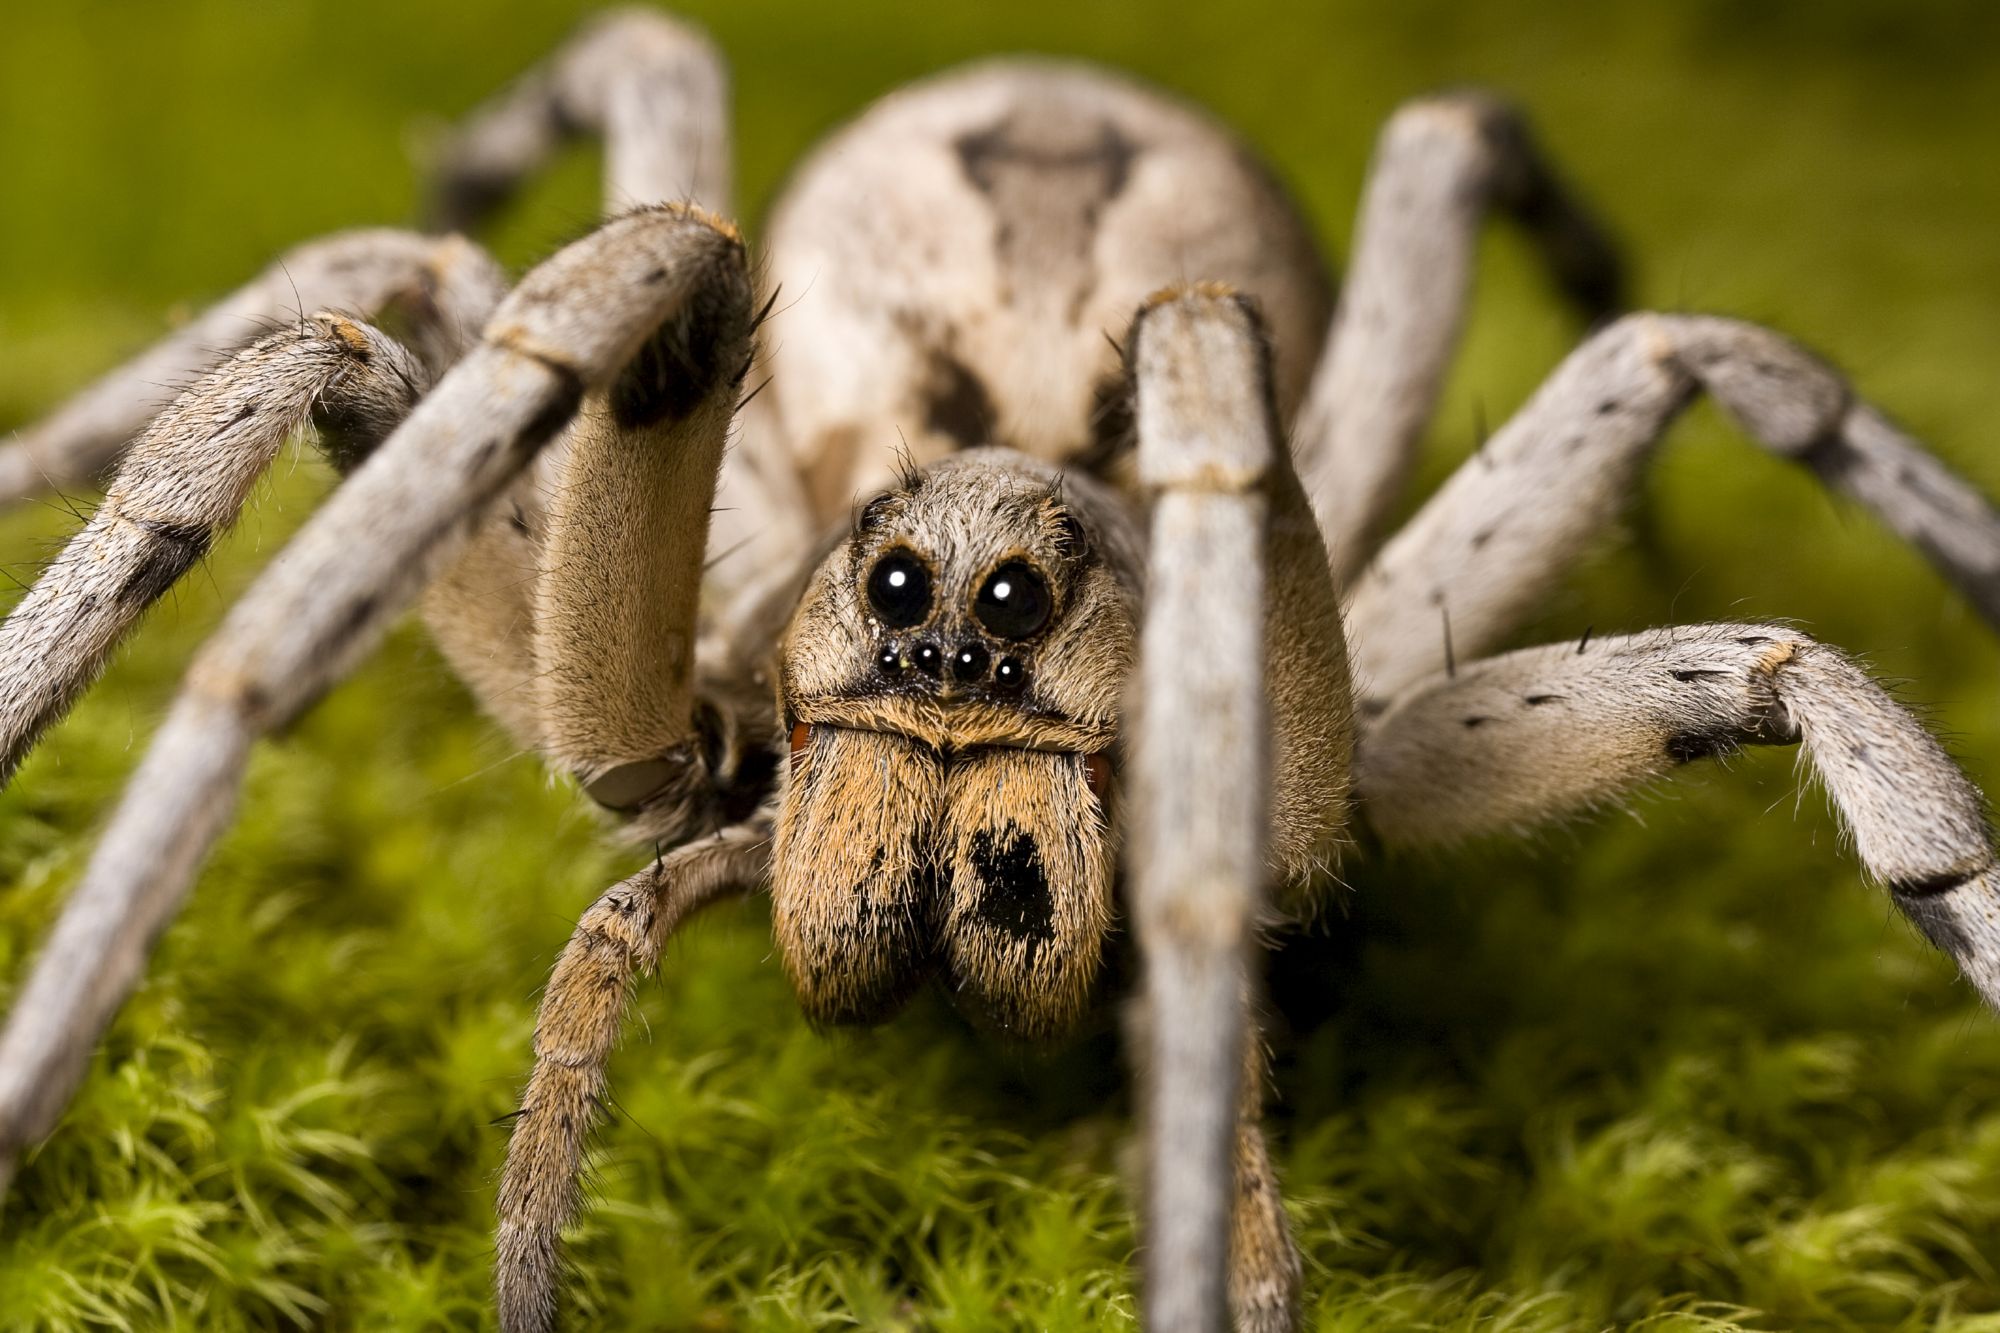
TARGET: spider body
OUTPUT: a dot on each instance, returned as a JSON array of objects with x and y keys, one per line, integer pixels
[{"x": 1024, "y": 616}]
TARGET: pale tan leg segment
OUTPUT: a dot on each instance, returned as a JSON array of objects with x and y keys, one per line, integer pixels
[
  {"x": 616, "y": 600},
  {"x": 1515, "y": 741},
  {"x": 572, "y": 326},
  {"x": 1441, "y": 165},
  {"x": 445, "y": 285},
  {"x": 653, "y": 88},
  {"x": 617, "y": 940},
  {"x": 181, "y": 483},
  {"x": 1513, "y": 521},
  {"x": 1199, "y": 775}
]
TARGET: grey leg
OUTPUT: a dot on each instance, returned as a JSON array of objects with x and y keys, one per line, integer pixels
[
  {"x": 1199, "y": 791},
  {"x": 1510, "y": 523},
  {"x": 572, "y": 326},
  {"x": 445, "y": 285},
  {"x": 653, "y": 88},
  {"x": 1519, "y": 740},
  {"x": 182, "y": 482},
  {"x": 1441, "y": 165}
]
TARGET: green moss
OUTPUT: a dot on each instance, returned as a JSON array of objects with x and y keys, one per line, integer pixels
[{"x": 1675, "y": 1071}]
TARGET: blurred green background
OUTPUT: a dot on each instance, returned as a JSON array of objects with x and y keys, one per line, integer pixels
[{"x": 1676, "y": 1069}]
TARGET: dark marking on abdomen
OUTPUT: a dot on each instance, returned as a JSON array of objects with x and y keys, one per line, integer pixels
[{"x": 957, "y": 404}]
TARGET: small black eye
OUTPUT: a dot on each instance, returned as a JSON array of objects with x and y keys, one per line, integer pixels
[
  {"x": 899, "y": 588},
  {"x": 1013, "y": 602}
]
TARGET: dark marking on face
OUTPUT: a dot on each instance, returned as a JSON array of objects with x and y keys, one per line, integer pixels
[
  {"x": 1537, "y": 700},
  {"x": 957, "y": 404},
  {"x": 1696, "y": 673},
  {"x": 1474, "y": 723},
  {"x": 176, "y": 548},
  {"x": 1014, "y": 887}
]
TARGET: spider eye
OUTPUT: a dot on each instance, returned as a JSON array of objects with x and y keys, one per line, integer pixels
[
  {"x": 899, "y": 588},
  {"x": 1013, "y": 602}
]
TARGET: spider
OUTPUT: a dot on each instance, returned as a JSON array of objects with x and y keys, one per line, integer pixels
[{"x": 1046, "y": 582}]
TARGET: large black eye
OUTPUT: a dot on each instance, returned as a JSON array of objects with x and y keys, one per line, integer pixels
[
  {"x": 1013, "y": 602},
  {"x": 899, "y": 588}
]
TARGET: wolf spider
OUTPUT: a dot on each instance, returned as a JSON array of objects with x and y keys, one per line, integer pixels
[{"x": 1077, "y": 649}]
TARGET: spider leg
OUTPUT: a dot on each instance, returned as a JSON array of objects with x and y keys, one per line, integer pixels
[
  {"x": 573, "y": 614},
  {"x": 1265, "y": 1272},
  {"x": 1509, "y": 523},
  {"x": 656, "y": 91},
  {"x": 618, "y": 939},
  {"x": 181, "y": 482},
  {"x": 1517, "y": 740},
  {"x": 445, "y": 285},
  {"x": 1440, "y": 166},
  {"x": 571, "y": 326},
  {"x": 1201, "y": 801}
]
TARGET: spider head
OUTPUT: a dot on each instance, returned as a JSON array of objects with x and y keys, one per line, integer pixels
[{"x": 952, "y": 681}]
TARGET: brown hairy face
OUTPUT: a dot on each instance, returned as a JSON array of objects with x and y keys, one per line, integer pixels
[{"x": 952, "y": 680}]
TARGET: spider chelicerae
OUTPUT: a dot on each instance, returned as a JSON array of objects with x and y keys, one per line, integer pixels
[{"x": 991, "y": 628}]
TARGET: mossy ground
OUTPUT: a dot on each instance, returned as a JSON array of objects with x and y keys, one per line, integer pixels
[{"x": 1678, "y": 1070}]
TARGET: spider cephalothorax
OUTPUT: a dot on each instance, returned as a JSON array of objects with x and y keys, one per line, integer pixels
[
  {"x": 952, "y": 678},
  {"x": 1108, "y": 491}
]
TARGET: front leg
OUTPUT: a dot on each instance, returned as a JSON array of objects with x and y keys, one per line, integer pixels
[
  {"x": 571, "y": 326},
  {"x": 1240, "y": 768}
]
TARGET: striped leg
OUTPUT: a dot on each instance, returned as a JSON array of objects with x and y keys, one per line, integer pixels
[
  {"x": 618, "y": 940},
  {"x": 442, "y": 287},
  {"x": 182, "y": 482},
  {"x": 572, "y": 326},
  {"x": 1512, "y": 742},
  {"x": 1511, "y": 522}
]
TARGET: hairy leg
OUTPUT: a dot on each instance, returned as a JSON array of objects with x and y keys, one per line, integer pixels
[
  {"x": 1515, "y": 741},
  {"x": 571, "y": 326},
  {"x": 1442, "y": 164},
  {"x": 1265, "y": 1272},
  {"x": 183, "y": 481},
  {"x": 441, "y": 287},
  {"x": 1511, "y": 522},
  {"x": 616, "y": 941},
  {"x": 653, "y": 88}
]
